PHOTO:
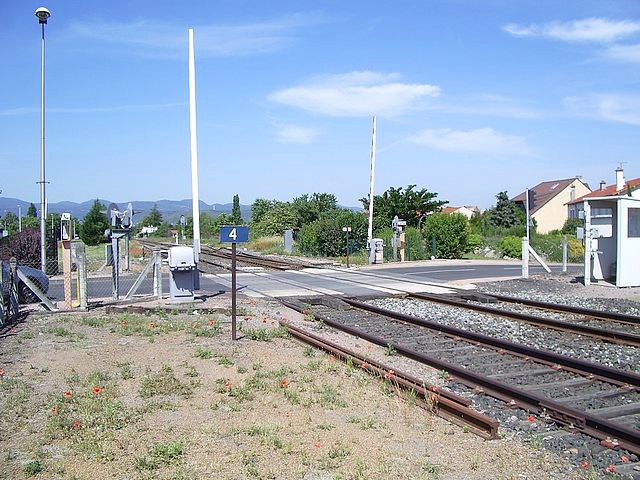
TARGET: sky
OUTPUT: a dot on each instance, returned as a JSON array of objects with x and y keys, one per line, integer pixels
[{"x": 471, "y": 98}]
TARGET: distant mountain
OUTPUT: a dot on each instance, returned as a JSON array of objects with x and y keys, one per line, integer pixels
[{"x": 170, "y": 209}]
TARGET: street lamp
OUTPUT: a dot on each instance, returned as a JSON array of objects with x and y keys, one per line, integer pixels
[
  {"x": 347, "y": 230},
  {"x": 43, "y": 15}
]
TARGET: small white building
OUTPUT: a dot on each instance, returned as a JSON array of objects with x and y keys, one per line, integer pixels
[{"x": 611, "y": 232}]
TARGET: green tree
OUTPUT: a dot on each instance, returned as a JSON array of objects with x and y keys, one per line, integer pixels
[
  {"x": 279, "y": 218},
  {"x": 153, "y": 218},
  {"x": 94, "y": 224},
  {"x": 260, "y": 207},
  {"x": 451, "y": 232},
  {"x": 571, "y": 225},
  {"x": 31, "y": 211},
  {"x": 506, "y": 213},
  {"x": 11, "y": 223},
  {"x": 325, "y": 236},
  {"x": 409, "y": 205},
  {"x": 311, "y": 208},
  {"x": 236, "y": 214}
]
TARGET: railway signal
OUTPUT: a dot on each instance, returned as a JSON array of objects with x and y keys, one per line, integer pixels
[{"x": 233, "y": 234}]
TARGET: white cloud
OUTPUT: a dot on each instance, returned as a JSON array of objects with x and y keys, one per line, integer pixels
[
  {"x": 481, "y": 140},
  {"x": 157, "y": 39},
  {"x": 610, "y": 107},
  {"x": 585, "y": 30},
  {"x": 288, "y": 133},
  {"x": 624, "y": 53},
  {"x": 356, "y": 94}
]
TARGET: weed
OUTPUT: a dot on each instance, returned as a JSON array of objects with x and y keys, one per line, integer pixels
[
  {"x": 191, "y": 372},
  {"x": 93, "y": 321},
  {"x": 389, "y": 350},
  {"x": 250, "y": 462},
  {"x": 329, "y": 398},
  {"x": 226, "y": 362},
  {"x": 63, "y": 332},
  {"x": 242, "y": 369},
  {"x": 443, "y": 374},
  {"x": 204, "y": 354},
  {"x": 32, "y": 468},
  {"x": 264, "y": 334},
  {"x": 292, "y": 396},
  {"x": 308, "y": 351},
  {"x": 163, "y": 382},
  {"x": 161, "y": 454},
  {"x": 313, "y": 365},
  {"x": 126, "y": 372},
  {"x": 339, "y": 452},
  {"x": 465, "y": 429},
  {"x": 431, "y": 468},
  {"x": 326, "y": 426}
]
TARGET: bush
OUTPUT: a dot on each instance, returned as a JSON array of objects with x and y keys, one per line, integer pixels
[
  {"x": 451, "y": 232},
  {"x": 325, "y": 237},
  {"x": 474, "y": 242},
  {"x": 550, "y": 247},
  {"x": 511, "y": 246}
]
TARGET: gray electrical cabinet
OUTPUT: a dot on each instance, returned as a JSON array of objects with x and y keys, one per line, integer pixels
[
  {"x": 182, "y": 267},
  {"x": 378, "y": 250}
]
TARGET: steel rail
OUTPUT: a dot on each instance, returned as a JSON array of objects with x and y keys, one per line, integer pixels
[
  {"x": 605, "y": 334},
  {"x": 443, "y": 403},
  {"x": 593, "y": 425},
  {"x": 616, "y": 316},
  {"x": 603, "y": 372}
]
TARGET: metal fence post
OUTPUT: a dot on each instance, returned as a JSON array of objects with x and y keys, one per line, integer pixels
[
  {"x": 525, "y": 257},
  {"x": 157, "y": 273},
  {"x": 565, "y": 253},
  {"x": 81, "y": 258}
]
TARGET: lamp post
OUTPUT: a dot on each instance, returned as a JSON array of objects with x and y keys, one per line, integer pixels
[
  {"x": 347, "y": 230},
  {"x": 43, "y": 15},
  {"x": 19, "y": 218}
]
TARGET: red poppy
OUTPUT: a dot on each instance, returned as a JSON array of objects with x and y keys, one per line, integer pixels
[
  {"x": 389, "y": 374},
  {"x": 624, "y": 459},
  {"x": 212, "y": 323},
  {"x": 584, "y": 464},
  {"x": 611, "y": 468},
  {"x": 97, "y": 389},
  {"x": 317, "y": 444},
  {"x": 152, "y": 325},
  {"x": 285, "y": 383},
  {"x": 435, "y": 388},
  {"x": 364, "y": 365},
  {"x": 68, "y": 394},
  {"x": 531, "y": 418},
  {"x": 1, "y": 372},
  {"x": 76, "y": 425},
  {"x": 54, "y": 410},
  {"x": 227, "y": 385}
]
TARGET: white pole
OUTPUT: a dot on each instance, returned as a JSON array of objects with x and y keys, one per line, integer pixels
[
  {"x": 194, "y": 149},
  {"x": 371, "y": 180}
]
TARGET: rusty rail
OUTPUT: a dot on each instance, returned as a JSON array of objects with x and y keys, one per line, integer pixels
[
  {"x": 443, "y": 403},
  {"x": 602, "y": 333}
]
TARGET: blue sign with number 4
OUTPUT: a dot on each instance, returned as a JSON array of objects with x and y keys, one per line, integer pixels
[{"x": 234, "y": 234}]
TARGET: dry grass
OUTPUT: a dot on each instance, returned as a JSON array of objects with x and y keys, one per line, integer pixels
[{"x": 172, "y": 397}]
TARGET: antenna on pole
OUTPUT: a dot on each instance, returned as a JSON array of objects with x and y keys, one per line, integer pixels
[{"x": 371, "y": 181}]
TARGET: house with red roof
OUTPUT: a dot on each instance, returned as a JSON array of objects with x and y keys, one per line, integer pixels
[{"x": 464, "y": 210}]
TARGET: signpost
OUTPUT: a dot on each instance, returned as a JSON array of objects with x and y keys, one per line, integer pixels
[{"x": 233, "y": 234}]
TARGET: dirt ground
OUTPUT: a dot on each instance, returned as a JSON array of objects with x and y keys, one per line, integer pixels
[{"x": 170, "y": 396}]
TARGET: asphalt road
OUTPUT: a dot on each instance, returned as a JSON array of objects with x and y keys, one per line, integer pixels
[{"x": 359, "y": 281}]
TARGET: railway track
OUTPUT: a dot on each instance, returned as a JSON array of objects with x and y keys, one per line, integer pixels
[{"x": 585, "y": 397}]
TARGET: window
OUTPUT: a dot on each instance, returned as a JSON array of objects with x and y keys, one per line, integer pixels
[{"x": 634, "y": 222}]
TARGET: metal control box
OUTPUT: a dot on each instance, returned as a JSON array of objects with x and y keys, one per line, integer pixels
[
  {"x": 182, "y": 265},
  {"x": 378, "y": 248}
]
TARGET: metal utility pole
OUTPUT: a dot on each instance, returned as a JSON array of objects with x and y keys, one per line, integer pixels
[{"x": 43, "y": 14}]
